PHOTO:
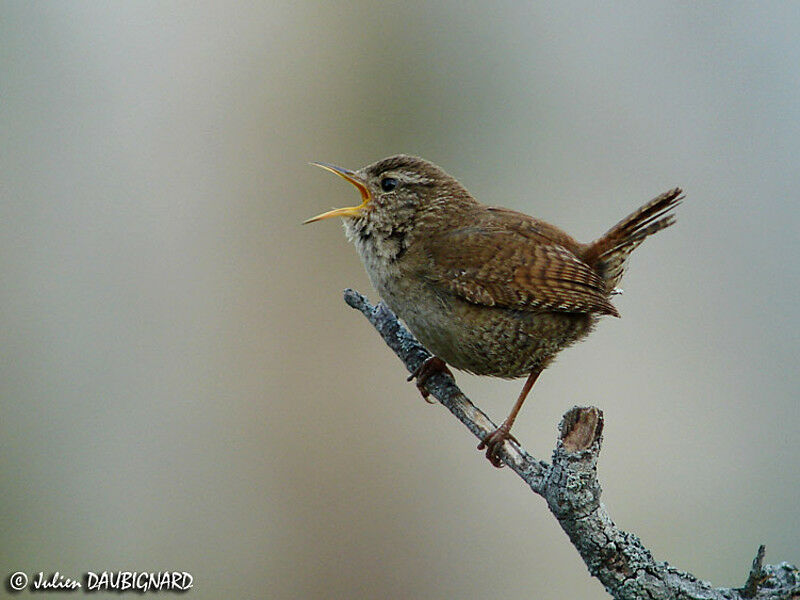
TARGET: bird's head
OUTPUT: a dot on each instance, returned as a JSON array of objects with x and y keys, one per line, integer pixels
[{"x": 394, "y": 192}]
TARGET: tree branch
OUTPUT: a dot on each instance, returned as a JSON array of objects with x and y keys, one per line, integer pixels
[{"x": 569, "y": 485}]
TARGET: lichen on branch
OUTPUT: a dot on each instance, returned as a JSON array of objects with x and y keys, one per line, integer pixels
[{"x": 570, "y": 486}]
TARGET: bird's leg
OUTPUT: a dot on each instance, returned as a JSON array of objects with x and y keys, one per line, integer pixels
[
  {"x": 432, "y": 365},
  {"x": 494, "y": 440}
]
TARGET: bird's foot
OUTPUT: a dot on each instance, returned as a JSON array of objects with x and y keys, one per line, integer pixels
[
  {"x": 431, "y": 366},
  {"x": 494, "y": 441}
]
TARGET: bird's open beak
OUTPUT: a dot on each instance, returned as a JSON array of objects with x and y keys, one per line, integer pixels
[{"x": 350, "y": 211}]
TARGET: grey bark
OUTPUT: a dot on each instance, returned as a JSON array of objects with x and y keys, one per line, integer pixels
[{"x": 569, "y": 485}]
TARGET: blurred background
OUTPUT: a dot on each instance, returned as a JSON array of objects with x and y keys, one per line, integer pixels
[{"x": 183, "y": 388}]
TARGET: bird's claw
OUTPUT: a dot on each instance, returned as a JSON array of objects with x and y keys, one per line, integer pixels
[
  {"x": 431, "y": 366},
  {"x": 493, "y": 442}
]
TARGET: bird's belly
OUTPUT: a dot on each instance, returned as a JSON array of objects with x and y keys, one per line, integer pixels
[{"x": 485, "y": 340}]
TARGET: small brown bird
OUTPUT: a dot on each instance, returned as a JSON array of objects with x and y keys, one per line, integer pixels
[{"x": 487, "y": 290}]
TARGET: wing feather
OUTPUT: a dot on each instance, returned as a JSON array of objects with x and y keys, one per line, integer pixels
[{"x": 515, "y": 266}]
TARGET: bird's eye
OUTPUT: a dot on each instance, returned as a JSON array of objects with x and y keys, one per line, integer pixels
[{"x": 388, "y": 184}]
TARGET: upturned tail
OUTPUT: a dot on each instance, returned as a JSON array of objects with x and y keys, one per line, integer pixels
[{"x": 609, "y": 253}]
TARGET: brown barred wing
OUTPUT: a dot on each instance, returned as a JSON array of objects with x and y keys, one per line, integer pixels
[{"x": 516, "y": 268}]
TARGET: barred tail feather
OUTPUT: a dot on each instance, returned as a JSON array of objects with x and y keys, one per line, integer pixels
[{"x": 609, "y": 253}]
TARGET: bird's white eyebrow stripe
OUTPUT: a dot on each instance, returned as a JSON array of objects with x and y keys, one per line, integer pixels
[{"x": 411, "y": 177}]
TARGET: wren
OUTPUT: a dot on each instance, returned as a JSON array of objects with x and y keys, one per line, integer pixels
[{"x": 487, "y": 290}]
